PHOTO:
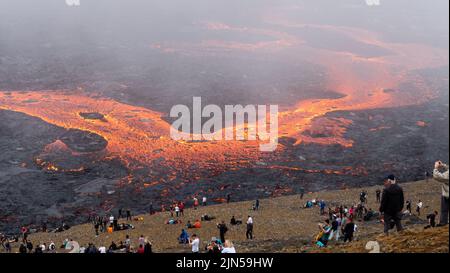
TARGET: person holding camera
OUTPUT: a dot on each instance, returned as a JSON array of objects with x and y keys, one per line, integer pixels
[{"x": 440, "y": 174}]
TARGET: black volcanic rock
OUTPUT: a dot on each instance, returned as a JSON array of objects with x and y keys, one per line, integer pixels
[
  {"x": 92, "y": 115},
  {"x": 82, "y": 141}
]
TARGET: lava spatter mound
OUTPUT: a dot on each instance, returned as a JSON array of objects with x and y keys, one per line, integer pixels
[{"x": 83, "y": 142}]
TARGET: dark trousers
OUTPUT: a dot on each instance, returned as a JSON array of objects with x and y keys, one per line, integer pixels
[
  {"x": 444, "y": 211},
  {"x": 348, "y": 237},
  {"x": 395, "y": 220},
  {"x": 249, "y": 233}
]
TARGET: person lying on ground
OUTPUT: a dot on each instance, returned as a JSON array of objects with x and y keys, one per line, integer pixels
[
  {"x": 370, "y": 214},
  {"x": 173, "y": 222},
  {"x": 125, "y": 226},
  {"x": 207, "y": 217}
]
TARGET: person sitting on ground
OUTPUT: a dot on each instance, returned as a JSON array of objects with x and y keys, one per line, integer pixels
[
  {"x": 228, "y": 247},
  {"x": 189, "y": 224},
  {"x": 309, "y": 204},
  {"x": 113, "y": 246},
  {"x": 369, "y": 215},
  {"x": 235, "y": 222},
  {"x": 121, "y": 246},
  {"x": 197, "y": 224},
  {"x": 184, "y": 237},
  {"x": 431, "y": 219}
]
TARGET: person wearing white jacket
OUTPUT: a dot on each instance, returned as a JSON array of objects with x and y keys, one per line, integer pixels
[{"x": 440, "y": 174}]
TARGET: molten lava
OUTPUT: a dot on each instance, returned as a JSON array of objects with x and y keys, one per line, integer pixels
[{"x": 140, "y": 137}]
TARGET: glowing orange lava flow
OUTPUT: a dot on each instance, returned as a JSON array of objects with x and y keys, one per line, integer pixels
[
  {"x": 365, "y": 83},
  {"x": 138, "y": 136}
]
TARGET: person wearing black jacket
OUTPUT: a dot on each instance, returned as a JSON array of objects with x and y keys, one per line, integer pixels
[
  {"x": 392, "y": 203},
  {"x": 222, "y": 229}
]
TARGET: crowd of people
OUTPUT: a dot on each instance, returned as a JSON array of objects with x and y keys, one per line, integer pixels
[
  {"x": 392, "y": 202},
  {"x": 339, "y": 224}
]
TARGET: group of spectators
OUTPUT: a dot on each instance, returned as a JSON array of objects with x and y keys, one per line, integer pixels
[{"x": 392, "y": 203}]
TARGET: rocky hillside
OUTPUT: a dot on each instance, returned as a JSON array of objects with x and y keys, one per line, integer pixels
[{"x": 281, "y": 225}]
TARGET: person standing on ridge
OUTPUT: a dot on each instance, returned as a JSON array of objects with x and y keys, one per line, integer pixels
[
  {"x": 392, "y": 203},
  {"x": 128, "y": 215},
  {"x": 378, "y": 195}
]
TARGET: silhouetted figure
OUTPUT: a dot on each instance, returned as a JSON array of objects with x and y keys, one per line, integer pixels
[{"x": 392, "y": 203}]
